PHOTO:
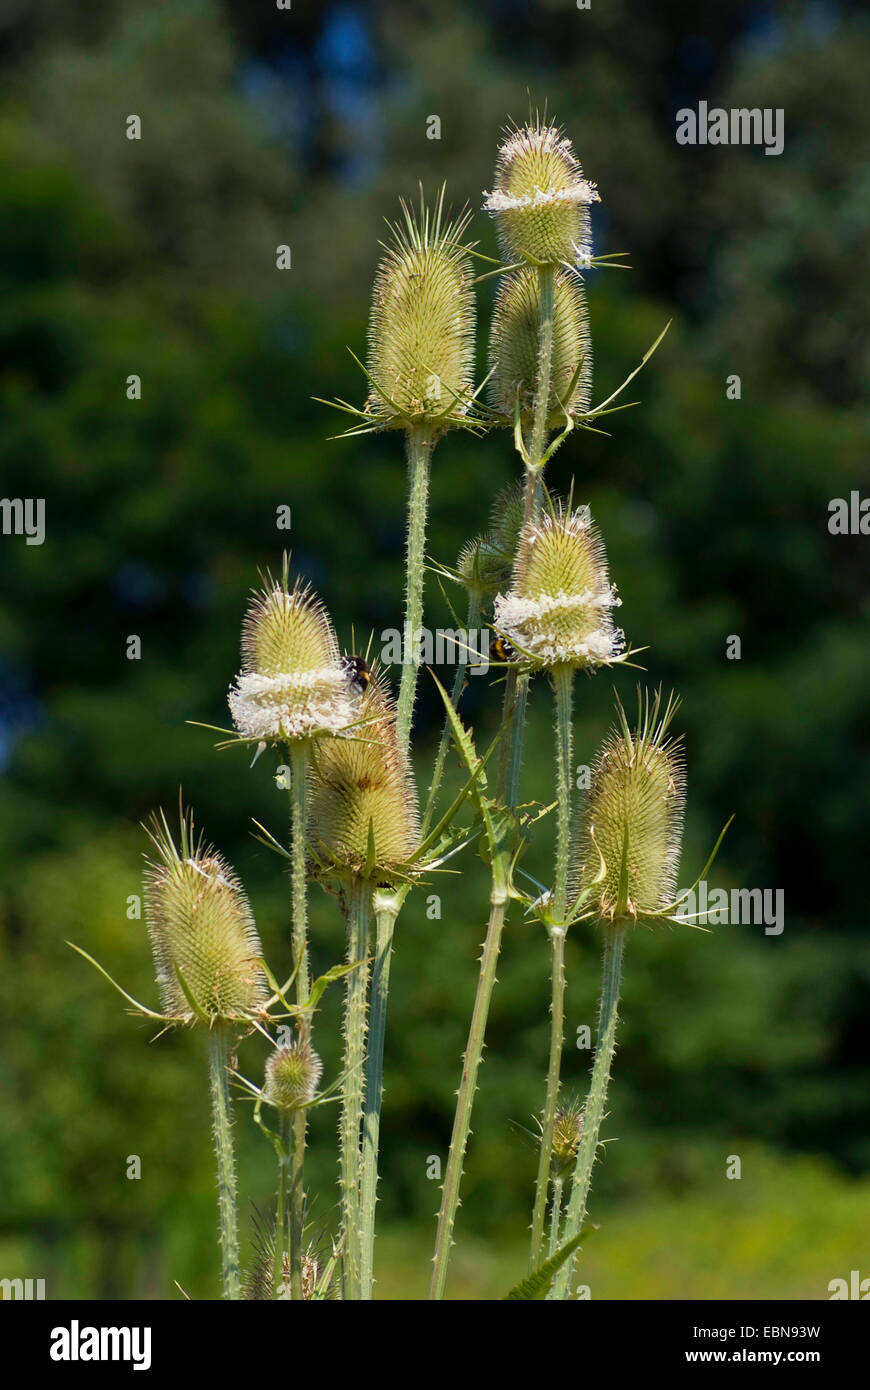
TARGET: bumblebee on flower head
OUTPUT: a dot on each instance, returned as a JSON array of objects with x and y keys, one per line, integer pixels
[
  {"x": 501, "y": 649},
  {"x": 358, "y": 672}
]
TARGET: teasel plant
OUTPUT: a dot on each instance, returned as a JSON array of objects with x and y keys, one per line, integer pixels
[
  {"x": 420, "y": 374},
  {"x": 540, "y": 380},
  {"x": 210, "y": 974},
  {"x": 290, "y": 1087},
  {"x": 537, "y": 579},
  {"x": 625, "y": 854},
  {"x": 293, "y": 690},
  {"x": 556, "y": 617},
  {"x": 367, "y": 846}
]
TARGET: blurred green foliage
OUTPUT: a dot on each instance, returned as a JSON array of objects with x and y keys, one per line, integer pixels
[{"x": 158, "y": 257}]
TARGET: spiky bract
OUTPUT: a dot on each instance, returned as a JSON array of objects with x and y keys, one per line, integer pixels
[
  {"x": 202, "y": 930},
  {"x": 632, "y": 817},
  {"x": 513, "y": 348},
  {"x": 363, "y": 813},
  {"x": 421, "y": 330},
  {"x": 540, "y": 200},
  {"x": 292, "y": 683},
  {"x": 558, "y": 608}
]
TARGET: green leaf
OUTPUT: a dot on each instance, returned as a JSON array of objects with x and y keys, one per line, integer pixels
[
  {"x": 537, "y": 1284},
  {"x": 335, "y": 973},
  {"x": 140, "y": 1008},
  {"x": 474, "y": 765}
]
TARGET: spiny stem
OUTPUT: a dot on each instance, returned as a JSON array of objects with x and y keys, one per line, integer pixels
[
  {"x": 299, "y": 790},
  {"x": 219, "y": 1089},
  {"x": 555, "y": 1217},
  {"x": 467, "y": 1087},
  {"x": 548, "y": 1124},
  {"x": 563, "y": 685},
  {"x": 386, "y": 911},
  {"x": 593, "y": 1113},
  {"x": 297, "y": 1202},
  {"x": 420, "y": 444},
  {"x": 358, "y": 922},
  {"x": 282, "y": 1246},
  {"x": 298, "y": 873},
  {"x": 546, "y": 300}
]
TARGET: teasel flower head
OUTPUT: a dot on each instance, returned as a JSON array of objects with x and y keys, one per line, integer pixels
[
  {"x": 203, "y": 937},
  {"x": 485, "y": 563},
  {"x": 421, "y": 330},
  {"x": 629, "y": 831},
  {"x": 558, "y": 608},
  {"x": 541, "y": 200},
  {"x": 292, "y": 684},
  {"x": 513, "y": 349},
  {"x": 567, "y": 1134},
  {"x": 292, "y": 1076},
  {"x": 362, "y": 812}
]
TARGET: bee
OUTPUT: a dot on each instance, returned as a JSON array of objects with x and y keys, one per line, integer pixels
[
  {"x": 358, "y": 672},
  {"x": 502, "y": 650}
]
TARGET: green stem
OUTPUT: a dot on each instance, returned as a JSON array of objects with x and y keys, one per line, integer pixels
[
  {"x": 297, "y": 1201},
  {"x": 282, "y": 1246},
  {"x": 358, "y": 922},
  {"x": 468, "y": 1083},
  {"x": 420, "y": 444},
  {"x": 563, "y": 685},
  {"x": 386, "y": 911},
  {"x": 546, "y": 300},
  {"x": 298, "y": 872},
  {"x": 555, "y": 1217},
  {"x": 548, "y": 1124},
  {"x": 593, "y": 1113},
  {"x": 218, "y": 1062},
  {"x": 299, "y": 881}
]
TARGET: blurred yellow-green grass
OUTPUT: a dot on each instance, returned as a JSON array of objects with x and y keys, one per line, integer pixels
[{"x": 783, "y": 1230}]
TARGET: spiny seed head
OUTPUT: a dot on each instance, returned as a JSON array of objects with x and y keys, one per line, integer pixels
[
  {"x": 513, "y": 348},
  {"x": 541, "y": 200},
  {"x": 363, "y": 803},
  {"x": 201, "y": 929},
  {"x": 292, "y": 1076},
  {"x": 558, "y": 608},
  {"x": 506, "y": 519},
  {"x": 421, "y": 331},
  {"x": 485, "y": 564},
  {"x": 292, "y": 684},
  {"x": 482, "y": 567},
  {"x": 633, "y": 817},
  {"x": 566, "y": 1137}
]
